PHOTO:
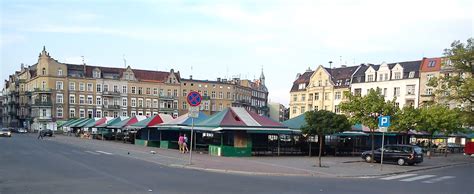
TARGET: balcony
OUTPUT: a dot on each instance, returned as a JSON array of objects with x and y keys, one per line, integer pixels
[
  {"x": 44, "y": 118},
  {"x": 110, "y": 93},
  {"x": 40, "y": 90},
  {"x": 39, "y": 103},
  {"x": 111, "y": 107},
  {"x": 166, "y": 97}
]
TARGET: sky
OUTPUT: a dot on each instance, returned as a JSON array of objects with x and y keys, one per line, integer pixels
[{"x": 210, "y": 39}]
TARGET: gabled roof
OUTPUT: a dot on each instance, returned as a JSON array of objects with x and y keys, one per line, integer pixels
[
  {"x": 127, "y": 122},
  {"x": 296, "y": 122},
  {"x": 304, "y": 78},
  {"x": 341, "y": 73},
  {"x": 239, "y": 117},
  {"x": 152, "y": 121},
  {"x": 112, "y": 122},
  {"x": 185, "y": 120}
]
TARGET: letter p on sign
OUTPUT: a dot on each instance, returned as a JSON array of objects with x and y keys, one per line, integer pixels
[{"x": 384, "y": 121}]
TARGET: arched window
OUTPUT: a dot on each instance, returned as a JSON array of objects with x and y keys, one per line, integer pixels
[{"x": 44, "y": 71}]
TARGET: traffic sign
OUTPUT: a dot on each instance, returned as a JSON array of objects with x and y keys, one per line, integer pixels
[
  {"x": 193, "y": 112},
  {"x": 194, "y": 98},
  {"x": 384, "y": 121}
]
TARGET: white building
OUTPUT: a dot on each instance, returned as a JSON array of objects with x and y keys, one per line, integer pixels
[{"x": 398, "y": 81}]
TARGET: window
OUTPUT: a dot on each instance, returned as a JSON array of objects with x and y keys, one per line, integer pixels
[
  {"x": 124, "y": 102},
  {"x": 302, "y": 109},
  {"x": 185, "y": 105},
  {"x": 124, "y": 89},
  {"x": 148, "y": 91},
  {"x": 98, "y": 100},
  {"x": 72, "y": 113},
  {"x": 398, "y": 75},
  {"x": 381, "y": 77},
  {"x": 303, "y": 97},
  {"x": 89, "y": 114},
  {"x": 81, "y": 99},
  {"x": 411, "y": 89},
  {"x": 175, "y": 93},
  {"x": 72, "y": 86},
  {"x": 134, "y": 102},
  {"x": 90, "y": 100},
  {"x": 229, "y": 96},
  {"x": 98, "y": 113},
  {"x": 206, "y": 105},
  {"x": 60, "y": 72},
  {"x": 133, "y": 113},
  {"x": 140, "y": 90},
  {"x": 161, "y": 92},
  {"x": 370, "y": 78},
  {"x": 316, "y": 96},
  {"x": 384, "y": 92},
  {"x": 301, "y": 86},
  {"x": 81, "y": 87},
  {"x": 155, "y": 91},
  {"x": 96, "y": 74},
  {"x": 431, "y": 63},
  {"x": 316, "y": 108},
  {"x": 213, "y": 94},
  {"x": 72, "y": 99},
  {"x": 59, "y": 98},
  {"x": 429, "y": 76},
  {"x": 337, "y": 96},
  {"x": 140, "y": 102},
  {"x": 98, "y": 87},
  {"x": 175, "y": 105},
  {"x": 411, "y": 74},
  {"x": 59, "y": 112},
  {"x": 90, "y": 88},
  {"x": 116, "y": 88},
  {"x": 106, "y": 88},
  {"x": 43, "y": 85},
  {"x": 59, "y": 85},
  {"x": 326, "y": 95},
  {"x": 106, "y": 114},
  {"x": 105, "y": 101},
  {"x": 82, "y": 113},
  {"x": 148, "y": 103},
  {"x": 396, "y": 91},
  {"x": 43, "y": 72},
  {"x": 320, "y": 82},
  {"x": 124, "y": 113},
  {"x": 44, "y": 98},
  {"x": 134, "y": 91},
  {"x": 429, "y": 91},
  {"x": 185, "y": 93},
  {"x": 337, "y": 109},
  {"x": 294, "y": 110},
  {"x": 155, "y": 103}
]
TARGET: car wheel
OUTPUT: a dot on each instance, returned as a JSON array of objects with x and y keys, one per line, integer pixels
[
  {"x": 401, "y": 161},
  {"x": 368, "y": 158}
]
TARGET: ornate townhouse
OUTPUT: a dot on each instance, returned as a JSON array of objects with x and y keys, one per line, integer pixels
[
  {"x": 398, "y": 81},
  {"x": 430, "y": 68},
  {"x": 321, "y": 89},
  {"x": 42, "y": 95}
]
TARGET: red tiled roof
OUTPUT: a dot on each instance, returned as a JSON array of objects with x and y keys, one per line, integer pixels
[{"x": 426, "y": 61}]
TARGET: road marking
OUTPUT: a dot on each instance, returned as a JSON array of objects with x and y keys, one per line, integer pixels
[
  {"x": 104, "y": 152},
  {"x": 417, "y": 178},
  {"x": 438, "y": 179},
  {"x": 398, "y": 176},
  {"x": 91, "y": 152}
]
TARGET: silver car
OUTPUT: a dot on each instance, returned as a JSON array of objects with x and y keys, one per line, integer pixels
[{"x": 5, "y": 133}]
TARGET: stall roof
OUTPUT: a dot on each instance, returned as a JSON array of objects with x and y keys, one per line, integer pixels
[
  {"x": 127, "y": 122},
  {"x": 112, "y": 122},
  {"x": 67, "y": 123},
  {"x": 239, "y": 117},
  {"x": 79, "y": 123},
  {"x": 296, "y": 122},
  {"x": 183, "y": 120},
  {"x": 152, "y": 121}
]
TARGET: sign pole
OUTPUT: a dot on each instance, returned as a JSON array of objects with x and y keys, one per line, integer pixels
[
  {"x": 381, "y": 159},
  {"x": 191, "y": 143}
]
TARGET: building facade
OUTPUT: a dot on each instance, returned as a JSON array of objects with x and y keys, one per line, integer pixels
[
  {"x": 430, "y": 68},
  {"x": 42, "y": 95},
  {"x": 276, "y": 111},
  {"x": 321, "y": 89}
]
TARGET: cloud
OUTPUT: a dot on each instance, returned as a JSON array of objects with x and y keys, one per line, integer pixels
[{"x": 9, "y": 39}]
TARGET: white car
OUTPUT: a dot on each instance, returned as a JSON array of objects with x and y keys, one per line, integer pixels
[
  {"x": 21, "y": 130},
  {"x": 5, "y": 132}
]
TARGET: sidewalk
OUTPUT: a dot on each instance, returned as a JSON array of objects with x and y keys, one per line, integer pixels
[{"x": 282, "y": 166}]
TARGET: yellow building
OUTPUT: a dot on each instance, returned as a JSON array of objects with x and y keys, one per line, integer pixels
[{"x": 321, "y": 89}]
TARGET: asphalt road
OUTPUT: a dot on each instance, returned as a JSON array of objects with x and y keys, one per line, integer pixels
[{"x": 28, "y": 165}]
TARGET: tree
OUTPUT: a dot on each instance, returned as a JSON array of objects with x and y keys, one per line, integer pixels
[
  {"x": 324, "y": 122},
  {"x": 366, "y": 110},
  {"x": 458, "y": 86},
  {"x": 439, "y": 119},
  {"x": 405, "y": 119}
]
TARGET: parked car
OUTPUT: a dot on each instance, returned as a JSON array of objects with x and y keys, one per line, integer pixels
[
  {"x": 47, "y": 132},
  {"x": 5, "y": 132},
  {"x": 22, "y": 130},
  {"x": 401, "y": 154},
  {"x": 469, "y": 148}
]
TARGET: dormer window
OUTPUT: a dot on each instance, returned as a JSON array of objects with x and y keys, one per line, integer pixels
[
  {"x": 432, "y": 63},
  {"x": 96, "y": 74},
  {"x": 370, "y": 78},
  {"x": 411, "y": 75},
  {"x": 60, "y": 72},
  {"x": 398, "y": 75},
  {"x": 301, "y": 86}
]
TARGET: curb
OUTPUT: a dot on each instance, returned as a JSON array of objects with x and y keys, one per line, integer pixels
[
  {"x": 407, "y": 171},
  {"x": 240, "y": 172}
]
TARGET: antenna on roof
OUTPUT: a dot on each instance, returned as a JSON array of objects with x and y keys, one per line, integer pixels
[
  {"x": 124, "y": 61},
  {"x": 83, "y": 60},
  {"x": 340, "y": 59}
]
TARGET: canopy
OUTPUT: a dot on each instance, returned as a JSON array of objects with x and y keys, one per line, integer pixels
[
  {"x": 127, "y": 122},
  {"x": 152, "y": 121},
  {"x": 296, "y": 122},
  {"x": 183, "y": 120},
  {"x": 112, "y": 121},
  {"x": 65, "y": 124},
  {"x": 79, "y": 123}
]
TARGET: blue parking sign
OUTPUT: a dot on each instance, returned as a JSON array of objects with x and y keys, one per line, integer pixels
[{"x": 384, "y": 121}]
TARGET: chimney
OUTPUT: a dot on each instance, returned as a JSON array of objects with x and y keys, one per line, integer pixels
[
  {"x": 191, "y": 77},
  {"x": 343, "y": 66},
  {"x": 218, "y": 79}
]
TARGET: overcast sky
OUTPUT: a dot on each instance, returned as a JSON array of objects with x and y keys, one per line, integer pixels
[{"x": 211, "y": 39}]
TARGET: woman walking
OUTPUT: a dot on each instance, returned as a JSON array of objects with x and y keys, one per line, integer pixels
[{"x": 180, "y": 143}]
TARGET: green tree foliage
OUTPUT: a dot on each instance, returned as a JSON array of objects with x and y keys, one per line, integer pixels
[
  {"x": 366, "y": 109},
  {"x": 405, "y": 119},
  {"x": 322, "y": 123},
  {"x": 460, "y": 84}
]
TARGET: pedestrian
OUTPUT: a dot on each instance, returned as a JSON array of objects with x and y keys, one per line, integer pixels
[
  {"x": 185, "y": 144},
  {"x": 180, "y": 143},
  {"x": 40, "y": 135}
]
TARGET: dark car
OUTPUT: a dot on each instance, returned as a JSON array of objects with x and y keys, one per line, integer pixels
[
  {"x": 401, "y": 154},
  {"x": 47, "y": 132}
]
